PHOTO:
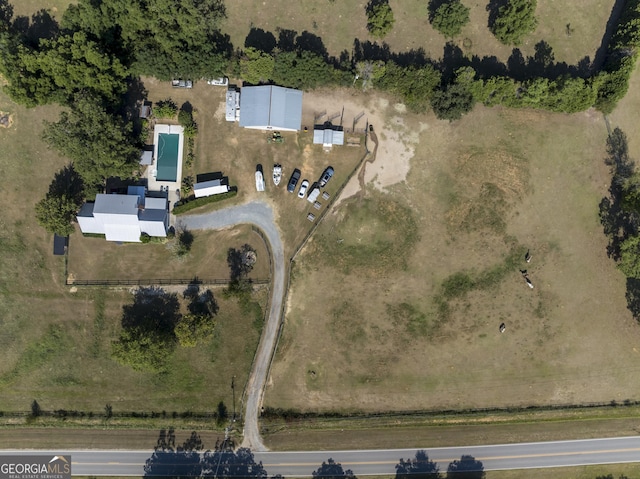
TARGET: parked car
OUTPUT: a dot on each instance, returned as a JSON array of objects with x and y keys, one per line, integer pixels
[
  {"x": 293, "y": 181},
  {"x": 222, "y": 81},
  {"x": 303, "y": 188},
  {"x": 182, "y": 83},
  {"x": 326, "y": 176}
]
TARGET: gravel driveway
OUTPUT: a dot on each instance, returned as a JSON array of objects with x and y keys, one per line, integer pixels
[{"x": 261, "y": 215}]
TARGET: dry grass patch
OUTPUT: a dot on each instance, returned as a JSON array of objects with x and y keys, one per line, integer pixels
[
  {"x": 70, "y": 356},
  {"x": 29, "y": 7},
  {"x": 338, "y": 24}
]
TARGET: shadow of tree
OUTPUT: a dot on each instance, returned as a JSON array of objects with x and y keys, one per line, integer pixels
[
  {"x": 519, "y": 67},
  {"x": 41, "y": 26},
  {"x": 466, "y": 468},
  {"x": 618, "y": 222},
  {"x": 190, "y": 459},
  {"x": 373, "y": 51},
  {"x": 152, "y": 309},
  {"x": 612, "y": 23},
  {"x": 6, "y": 14},
  {"x": 287, "y": 39},
  {"x": 332, "y": 470},
  {"x": 260, "y": 40},
  {"x": 200, "y": 302},
  {"x": 67, "y": 182},
  {"x": 134, "y": 97},
  {"x": 310, "y": 42},
  {"x": 240, "y": 262},
  {"x": 420, "y": 467},
  {"x": 633, "y": 296}
]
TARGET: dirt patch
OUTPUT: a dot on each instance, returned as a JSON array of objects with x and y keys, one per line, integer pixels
[{"x": 397, "y": 135}]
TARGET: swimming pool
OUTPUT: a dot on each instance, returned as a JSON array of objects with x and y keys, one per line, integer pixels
[{"x": 168, "y": 146}]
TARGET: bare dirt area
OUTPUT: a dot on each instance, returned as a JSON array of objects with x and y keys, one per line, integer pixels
[{"x": 405, "y": 314}]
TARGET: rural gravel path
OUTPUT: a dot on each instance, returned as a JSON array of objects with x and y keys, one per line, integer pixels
[{"x": 259, "y": 214}]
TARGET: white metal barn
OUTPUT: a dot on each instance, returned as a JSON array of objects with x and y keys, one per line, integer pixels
[{"x": 270, "y": 107}]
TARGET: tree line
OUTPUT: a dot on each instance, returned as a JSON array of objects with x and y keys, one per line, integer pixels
[{"x": 620, "y": 216}]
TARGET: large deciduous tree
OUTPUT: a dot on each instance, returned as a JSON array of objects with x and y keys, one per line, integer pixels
[
  {"x": 380, "y": 17},
  {"x": 514, "y": 20},
  {"x": 148, "y": 339},
  {"x": 59, "y": 68},
  {"x": 453, "y": 102},
  {"x": 450, "y": 17},
  {"x": 56, "y": 211},
  {"x": 163, "y": 38},
  {"x": 100, "y": 144}
]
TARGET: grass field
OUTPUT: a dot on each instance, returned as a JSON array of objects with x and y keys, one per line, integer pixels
[
  {"x": 95, "y": 258},
  {"x": 406, "y": 317},
  {"x": 339, "y": 23}
]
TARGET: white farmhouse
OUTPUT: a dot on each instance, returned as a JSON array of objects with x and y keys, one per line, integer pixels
[{"x": 124, "y": 218}]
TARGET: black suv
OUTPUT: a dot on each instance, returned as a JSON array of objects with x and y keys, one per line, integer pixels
[
  {"x": 293, "y": 181},
  {"x": 326, "y": 176}
]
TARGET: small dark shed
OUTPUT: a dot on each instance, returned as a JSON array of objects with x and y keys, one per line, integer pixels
[{"x": 60, "y": 244}]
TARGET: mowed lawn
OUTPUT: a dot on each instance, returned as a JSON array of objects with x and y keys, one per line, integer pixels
[
  {"x": 338, "y": 24},
  {"x": 370, "y": 325},
  {"x": 97, "y": 259}
]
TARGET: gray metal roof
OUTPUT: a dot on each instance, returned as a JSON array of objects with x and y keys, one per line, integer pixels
[
  {"x": 116, "y": 204},
  {"x": 272, "y": 107},
  {"x": 325, "y": 135}
]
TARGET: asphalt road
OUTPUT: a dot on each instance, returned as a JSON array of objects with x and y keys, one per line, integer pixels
[
  {"x": 261, "y": 215},
  {"x": 378, "y": 462}
]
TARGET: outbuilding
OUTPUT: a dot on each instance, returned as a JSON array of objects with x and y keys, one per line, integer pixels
[
  {"x": 269, "y": 107},
  {"x": 328, "y": 135},
  {"x": 208, "y": 188}
]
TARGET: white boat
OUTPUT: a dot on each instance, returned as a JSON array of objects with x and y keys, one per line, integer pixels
[
  {"x": 259, "y": 181},
  {"x": 277, "y": 174}
]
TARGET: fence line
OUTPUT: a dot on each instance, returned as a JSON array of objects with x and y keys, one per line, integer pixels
[
  {"x": 150, "y": 282},
  {"x": 333, "y": 198}
]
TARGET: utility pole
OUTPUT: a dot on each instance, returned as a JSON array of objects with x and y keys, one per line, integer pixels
[{"x": 233, "y": 392}]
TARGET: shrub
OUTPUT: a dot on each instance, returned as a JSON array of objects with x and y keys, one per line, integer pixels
[
  {"x": 185, "y": 241},
  {"x": 450, "y": 17},
  {"x": 192, "y": 202},
  {"x": 165, "y": 109},
  {"x": 457, "y": 285},
  {"x": 145, "y": 238}
]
